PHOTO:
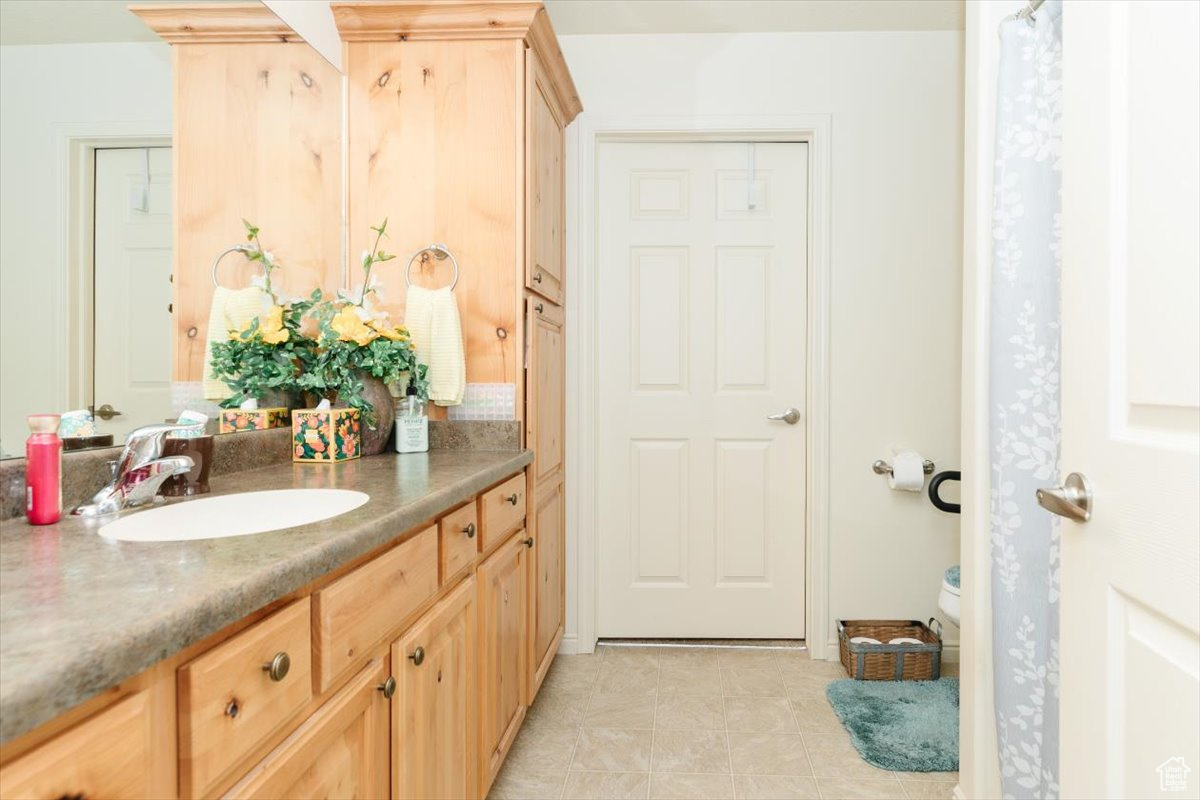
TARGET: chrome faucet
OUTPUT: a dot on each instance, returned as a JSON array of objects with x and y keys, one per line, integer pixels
[{"x": 139, "y": 472}]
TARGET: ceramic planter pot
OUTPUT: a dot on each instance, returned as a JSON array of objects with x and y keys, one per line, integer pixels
[{"x": 375, "y": 437}]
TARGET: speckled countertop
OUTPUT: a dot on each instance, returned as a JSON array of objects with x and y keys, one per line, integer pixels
[{"x": 79, "y": 613}]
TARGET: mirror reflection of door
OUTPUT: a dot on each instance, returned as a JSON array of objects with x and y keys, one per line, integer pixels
[{"x": 132, "y": 288}]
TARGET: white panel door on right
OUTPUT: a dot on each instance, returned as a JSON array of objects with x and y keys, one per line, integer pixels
[{"x": 702, "y": 278}]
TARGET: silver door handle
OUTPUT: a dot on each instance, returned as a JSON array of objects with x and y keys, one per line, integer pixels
[
  {"x": 1072, "y": 500},
  {"x": 791, "y": 416}
]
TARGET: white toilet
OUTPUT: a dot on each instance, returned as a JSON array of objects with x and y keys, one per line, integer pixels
[{"x": 950, "y": 601}]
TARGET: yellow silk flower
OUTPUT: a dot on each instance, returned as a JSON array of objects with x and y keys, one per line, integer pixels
[
  {"x": 352, "y": 329},
  {"x": 396, "y": 334},
  {"x": 270, "y": 326}
]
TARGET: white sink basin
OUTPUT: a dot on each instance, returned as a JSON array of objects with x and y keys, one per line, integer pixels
[{"x": 233, "y": 515}]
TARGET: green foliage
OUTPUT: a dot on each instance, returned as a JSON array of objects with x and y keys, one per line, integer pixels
[
  {"x": 252, "y": 367},
  {"x": 273, "y": 355}
]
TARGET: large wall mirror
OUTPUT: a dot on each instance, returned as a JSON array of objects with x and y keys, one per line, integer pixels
[{"x": 86, "y": 220}]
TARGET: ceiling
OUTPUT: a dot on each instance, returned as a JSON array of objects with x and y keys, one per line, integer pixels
[
  {"x": 67, "y": 21},
  {"x": 752, "y": 16}
]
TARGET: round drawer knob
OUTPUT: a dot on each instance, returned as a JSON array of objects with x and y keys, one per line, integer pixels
[
  {"x": 537, "y": 278},
  {"x": 388, "y": 687},
  {"x": 513, "y": 498},
  {"x": 277, "y": 670},
  {"x": 470, "y": 530},
  {"x": 417, "y": 656},
  {"x": 541, "y": 309},
  {"x": 528, "y": 542}
]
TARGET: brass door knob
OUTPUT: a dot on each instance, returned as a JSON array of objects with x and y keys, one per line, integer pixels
[
  {"x": 278, "y": 668},
  {"x": 528, "y": 542},
  {"x": 417, "y": 656},
  {"x": 106, "y": 411},
  {"x": 513, "y": 498},
  {"x": 470, "y": 530},
  {"x": 388, "y": 687}
]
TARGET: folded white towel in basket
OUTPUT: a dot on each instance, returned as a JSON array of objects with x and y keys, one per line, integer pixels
[{"x": 431, "y": 316}]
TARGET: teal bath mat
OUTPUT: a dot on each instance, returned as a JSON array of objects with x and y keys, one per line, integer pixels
[{"x": 908, "y": 726}]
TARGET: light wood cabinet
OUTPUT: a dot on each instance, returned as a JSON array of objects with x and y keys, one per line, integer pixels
[
  {"x": 258, "y": 136},
  {"x": 433, "y": 711},
  {"x": 546, "y": 381},
  {"x": 362, "y": 608},
  {"x": 547, "y": 600},
  {"x": 422, "y": 693},
  {"x": 503, "y": 642},
  {"x": 232, "y": 698},
  {"x": 545, "y": 192},
  {"x": 341, "y": 751},
  {"x": 502, "y": 509},
  {"x": 109, "y": 755},
  {"x": 458, "y": 541}
]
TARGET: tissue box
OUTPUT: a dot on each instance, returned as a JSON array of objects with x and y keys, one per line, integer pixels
[
  {"x": 234, "y": 420},
  {"x": 326, "y": 436}
]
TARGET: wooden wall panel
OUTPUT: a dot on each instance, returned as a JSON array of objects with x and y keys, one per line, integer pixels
[
  {"x": 436, "y": 146},
  {"x": 258, "y": 136}
]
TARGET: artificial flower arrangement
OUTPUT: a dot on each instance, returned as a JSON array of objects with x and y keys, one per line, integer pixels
[
  {"x": 354, "y": 349},
  {"x": 264, "y": 357}
]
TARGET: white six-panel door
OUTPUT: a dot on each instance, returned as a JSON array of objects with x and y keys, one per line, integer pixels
[
  {"x": 1130, "y": 686},
  {"x": 702, "y": 321}
]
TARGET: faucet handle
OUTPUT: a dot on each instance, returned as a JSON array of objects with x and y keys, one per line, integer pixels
[{"x": 145, "y": 444}]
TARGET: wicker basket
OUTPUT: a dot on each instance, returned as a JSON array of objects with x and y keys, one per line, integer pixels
[{"x": 891, "y": 662}]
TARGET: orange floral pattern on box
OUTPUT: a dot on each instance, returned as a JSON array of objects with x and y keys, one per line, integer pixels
[
  {"x": 326, "y": 436},
  {"x": 234, "y": 420}
]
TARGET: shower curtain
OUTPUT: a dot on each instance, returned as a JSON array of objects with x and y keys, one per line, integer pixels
[{"x": 1024, "y": 400}]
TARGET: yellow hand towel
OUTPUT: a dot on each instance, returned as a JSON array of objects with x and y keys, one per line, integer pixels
[
  {"x": 231, "y": 310},
  {"x": 431, "y": 316}
]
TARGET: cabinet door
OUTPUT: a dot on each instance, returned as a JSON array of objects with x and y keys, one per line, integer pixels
[
  {"x": 547, "y": 583},
  {"x": 108, "y": 755},
  {"x": 544, "y": 386},
  {"x": 433, "y": 719},
  {"x": 341, "y": 751},
  {"x": 545, "y": 193},
  {"x": 503, "y": 651}
]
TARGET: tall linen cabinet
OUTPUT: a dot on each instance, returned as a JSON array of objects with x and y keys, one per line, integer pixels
[{"x": 456, "y": 118}]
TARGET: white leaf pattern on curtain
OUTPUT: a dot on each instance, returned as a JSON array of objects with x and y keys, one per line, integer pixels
[{"x": 1024, "y": 401}]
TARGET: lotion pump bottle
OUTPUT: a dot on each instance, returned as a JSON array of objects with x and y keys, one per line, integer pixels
[
  {"x": 43, "y": 470},
  {"x": 412, "y": 426}
]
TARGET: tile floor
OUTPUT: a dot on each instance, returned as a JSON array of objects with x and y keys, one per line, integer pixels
[{"x": 691, "y": 724}]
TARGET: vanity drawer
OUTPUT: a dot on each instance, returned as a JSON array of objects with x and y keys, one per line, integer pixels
[
  {"x": 359, "y": 609},
  {"x": 108, "y": 755},
  {"x": 459, "y": 534},
  {"x": 237, "y": 694},
  {"x": 503, "y": 509}
]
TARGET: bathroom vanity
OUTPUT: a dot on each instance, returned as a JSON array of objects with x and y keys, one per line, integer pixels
[{"x": 391, "y": 650}]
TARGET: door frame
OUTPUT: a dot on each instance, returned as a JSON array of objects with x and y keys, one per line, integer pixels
[
  {"x": 582, "y": 334},
  {"x": 76, "y": 145}
]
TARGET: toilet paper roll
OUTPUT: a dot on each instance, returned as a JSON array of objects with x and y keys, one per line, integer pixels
[{"x": 908, "y": 472}]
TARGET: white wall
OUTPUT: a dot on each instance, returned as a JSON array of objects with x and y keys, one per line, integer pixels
[
  {"x": 895, "y": 100},
  {"x": 48, "y": 92}
]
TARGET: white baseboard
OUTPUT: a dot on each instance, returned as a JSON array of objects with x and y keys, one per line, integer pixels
[{"x": 569, "y": 646}]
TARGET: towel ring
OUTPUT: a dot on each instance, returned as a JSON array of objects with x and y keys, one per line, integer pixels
[
  {"x": 237, "y": 248},
  {"x": 441, "y": 253}
]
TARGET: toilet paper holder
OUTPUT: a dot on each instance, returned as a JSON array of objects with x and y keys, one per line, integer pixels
[{"x": 882, "y": 467}]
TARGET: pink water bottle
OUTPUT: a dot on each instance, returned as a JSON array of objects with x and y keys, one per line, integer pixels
[{"x": 43, "y": 470}]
